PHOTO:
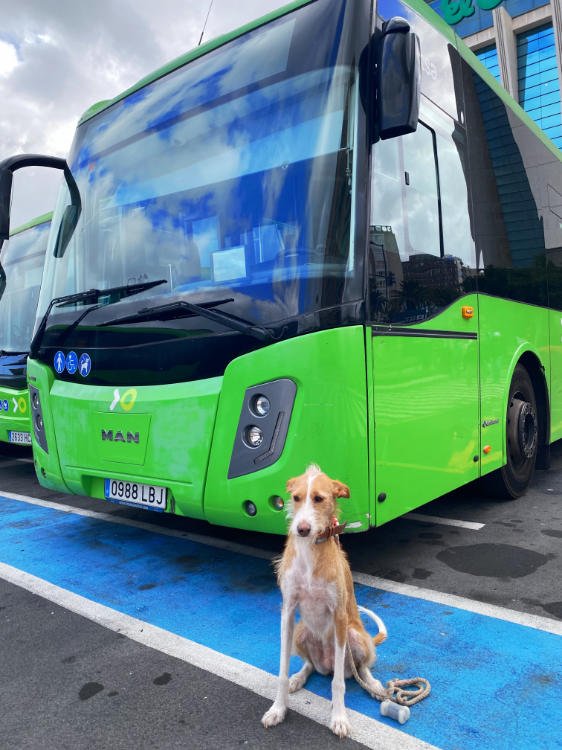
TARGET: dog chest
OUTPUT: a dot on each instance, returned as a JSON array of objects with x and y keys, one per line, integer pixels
[
  {"x": 316, "y": 609},
  {"x": 315, "y": 598}
]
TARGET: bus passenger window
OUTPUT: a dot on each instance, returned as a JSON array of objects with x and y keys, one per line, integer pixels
[
  {"x": 404, "y": 193},
  {"x": 421, "y": 249},
  {"x": 404, "y": 236}
]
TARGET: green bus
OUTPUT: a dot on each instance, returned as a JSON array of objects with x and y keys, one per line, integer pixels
[
  {"x": 329, "y": 236},
  {"x": 21, "y": 268}
]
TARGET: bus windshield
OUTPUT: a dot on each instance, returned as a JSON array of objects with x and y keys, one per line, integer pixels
[
  {"x": 21, "y": 266},
  {"x": 229, "y": 178}
]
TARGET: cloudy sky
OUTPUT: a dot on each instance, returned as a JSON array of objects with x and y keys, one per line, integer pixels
[{"x": 58, "y": 57}]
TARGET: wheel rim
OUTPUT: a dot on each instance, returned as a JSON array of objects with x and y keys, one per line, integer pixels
[{"x": 522, "y": 431}]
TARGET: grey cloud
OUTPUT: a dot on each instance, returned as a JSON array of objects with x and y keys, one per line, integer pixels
[
  {"x": 225, "y": 16},
  {"x": 73, "y": 53}
]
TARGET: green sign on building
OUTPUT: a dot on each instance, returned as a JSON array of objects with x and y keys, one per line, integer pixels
[{"x": 455, "y": 10}]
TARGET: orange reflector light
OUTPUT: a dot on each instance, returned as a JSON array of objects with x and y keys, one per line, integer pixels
[
  {"x": 486, "y": 449},
  {"x": 467, "y": 311}
]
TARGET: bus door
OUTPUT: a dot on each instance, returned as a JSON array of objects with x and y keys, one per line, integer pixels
[{"x": 424, "y": 332}]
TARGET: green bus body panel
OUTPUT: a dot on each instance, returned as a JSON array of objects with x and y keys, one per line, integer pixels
[
  {"x": 509, "y": 330},
  {"x": 425, "y": 394},
  {"x": 17, "y": 416},
  {"x": 32, "y": 223},
  {"x": 439, "y": 401},
  {"x": 47, "y": 465},
  {"x": 190, "y": 426},
  {"x": 555, "y": 375},
  {"x": 134, "y": 430},
  {"x": 174, "y": 425},
  {"x": 328, "y": 427},
  {"x": 404, "y": 416}
]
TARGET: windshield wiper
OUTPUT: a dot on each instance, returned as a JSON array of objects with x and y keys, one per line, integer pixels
[
  {"x": 90, "y": 295},
  {"x": 182, "y": 309}
]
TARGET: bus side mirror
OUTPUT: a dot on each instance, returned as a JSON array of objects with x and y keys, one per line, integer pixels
[
  {"x": 2, "y": 280},
  {"x": 7, "y": 169},
  {"x": 5, "y": 203},
  {"x": 399, "y": 79}
]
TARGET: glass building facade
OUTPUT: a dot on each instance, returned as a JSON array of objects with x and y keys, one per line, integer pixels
[{"x": 520, "y": 42}]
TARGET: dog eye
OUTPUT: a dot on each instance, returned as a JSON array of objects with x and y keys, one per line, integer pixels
[
  {"x": 296, "y": 499},
  {"x": 318, "y": 499}
]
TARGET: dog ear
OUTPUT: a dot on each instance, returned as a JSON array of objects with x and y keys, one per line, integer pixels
[
  {"x": 291, "y": 484},
  {"x": 340, "y": 489}
]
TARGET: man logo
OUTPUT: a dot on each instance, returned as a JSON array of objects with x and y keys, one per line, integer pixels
[{"x": 119, "y": 437}]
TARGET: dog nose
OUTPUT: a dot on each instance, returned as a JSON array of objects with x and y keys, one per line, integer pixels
[{"x": 303, "y": 529}]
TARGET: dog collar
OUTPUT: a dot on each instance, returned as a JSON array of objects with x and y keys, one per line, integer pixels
[{"x": 335, "y": 529}]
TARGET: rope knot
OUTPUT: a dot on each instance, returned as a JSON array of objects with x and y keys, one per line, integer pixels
[{"x": 419, "y": 688}]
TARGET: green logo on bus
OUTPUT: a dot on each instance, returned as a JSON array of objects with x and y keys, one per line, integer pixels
[{"x": 455, "y": 10}]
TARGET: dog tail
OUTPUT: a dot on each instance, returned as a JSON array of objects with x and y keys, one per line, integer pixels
[{"x": 383, "y": 633}]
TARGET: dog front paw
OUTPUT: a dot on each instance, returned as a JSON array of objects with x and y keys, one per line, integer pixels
[
  {"x": 273, "y": 716},
  {"x": 340, "y": 725}
]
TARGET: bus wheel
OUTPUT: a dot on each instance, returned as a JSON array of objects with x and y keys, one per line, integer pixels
[{"x": 522, "y": 438}]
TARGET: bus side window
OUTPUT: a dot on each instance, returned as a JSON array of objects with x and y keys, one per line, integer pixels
[
  {"x": 404, "y": 192},
  {"x": 421, "y": 249},
  {"x": 515, "y": 180},
  {"x": 458, "y": 246},
  {"x": 404, "y": 235}
]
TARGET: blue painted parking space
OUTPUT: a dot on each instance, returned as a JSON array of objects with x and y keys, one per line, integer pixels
[{"x": 495, "y": 684}]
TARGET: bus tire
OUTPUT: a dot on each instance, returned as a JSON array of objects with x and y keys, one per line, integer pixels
[{"x": 522, "y": 440}]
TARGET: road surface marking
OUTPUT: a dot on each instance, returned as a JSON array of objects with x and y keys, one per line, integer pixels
[{"x": 441, "y": 521}]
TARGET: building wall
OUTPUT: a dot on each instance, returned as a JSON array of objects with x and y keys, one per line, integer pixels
[{"x": 520, "y": 42}]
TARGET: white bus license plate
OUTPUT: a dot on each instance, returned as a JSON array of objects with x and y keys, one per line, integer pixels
[
  {"x": 133, "y": 493},
  {"x": 23, "y": 438}
]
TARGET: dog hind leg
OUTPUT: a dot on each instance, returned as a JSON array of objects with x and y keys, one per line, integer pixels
[
  {"x": 374, "y": 687},
  {"x": 311, "y": 650},
  {"x": 298, "y": 680},
  {"x": 362, "y": 652}
]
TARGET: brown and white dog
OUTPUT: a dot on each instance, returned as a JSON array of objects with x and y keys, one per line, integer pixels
[{"x": 315, "y": 577}]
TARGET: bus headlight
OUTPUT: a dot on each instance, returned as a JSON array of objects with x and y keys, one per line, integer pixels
[
  {"x": 260, "y": 405},
  {"x": 253, "y": 437},
  {"x": 262, "y": 426},
  {"x": 37, "y": 418}
]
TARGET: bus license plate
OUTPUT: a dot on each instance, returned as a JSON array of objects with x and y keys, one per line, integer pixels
[
  {"x": 133, "y": 493},
  {"x": 23, "y": 438}
]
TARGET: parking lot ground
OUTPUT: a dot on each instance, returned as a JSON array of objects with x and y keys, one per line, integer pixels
[
  {"x": 495, "y": 679},
  {"x": 69, "y": 683}
]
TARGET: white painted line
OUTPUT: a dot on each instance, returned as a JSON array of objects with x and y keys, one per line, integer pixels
[
  {"x": 444, "y": 521},
  {"x": 368, "y": 732},
  {"x": 208, "y": 541},
  {"x": 449, "y": 600},
  {"x": 460, "y": 602}
]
